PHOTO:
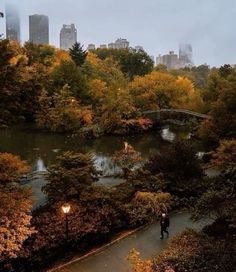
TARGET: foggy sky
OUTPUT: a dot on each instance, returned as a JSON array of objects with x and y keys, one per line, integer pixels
[{"x": 157, "y": 25}]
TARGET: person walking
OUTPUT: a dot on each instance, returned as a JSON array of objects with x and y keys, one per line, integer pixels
[{"x": 165, "y": 223}]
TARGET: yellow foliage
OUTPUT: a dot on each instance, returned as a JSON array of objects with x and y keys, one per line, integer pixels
[
  {"x": 225, "y": 155},
  {"x": 157, "y": 202},
  {"x": 137, "y": 264},
  {"x": 93, "y": 59},
  {"x": 59, "y": 56},
  {"x": 97, "y": 89},
  {"x": 162, "y": 90},
  {"x": 11, "y": 167}
]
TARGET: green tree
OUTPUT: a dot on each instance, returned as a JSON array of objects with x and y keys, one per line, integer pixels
[
  {"x": 78, "y": 54},
  {"x": 67, "y": 73},
  {"x": 180, "y": 168},
  {"x": 218, "y": 200},
  {"x": 132, "y": 62},
  {"x": 135, "y": 63},
  {"x": 72, "y": 173}
]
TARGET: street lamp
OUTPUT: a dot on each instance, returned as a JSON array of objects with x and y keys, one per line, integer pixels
[{"x": 66, "y": 210}]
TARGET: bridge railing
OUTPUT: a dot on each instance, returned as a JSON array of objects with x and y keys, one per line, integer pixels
[{"x": 188, "y": 112}]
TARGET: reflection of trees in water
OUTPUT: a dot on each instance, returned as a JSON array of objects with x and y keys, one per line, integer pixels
[
  {"x": 41, "y": 149},
  {"x": 106, "y": 166}
]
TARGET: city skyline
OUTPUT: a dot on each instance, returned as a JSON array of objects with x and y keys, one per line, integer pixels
[{"x": 159, "y": 27}]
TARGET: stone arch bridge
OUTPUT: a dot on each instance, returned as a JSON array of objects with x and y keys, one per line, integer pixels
[{"x": 174, "y": 114}]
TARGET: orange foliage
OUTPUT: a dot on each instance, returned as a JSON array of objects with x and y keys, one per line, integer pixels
[
  {"x": 11, "y": 168},
  {"x": 87, "y": 116},
  {"x": 137, "y": 264},
  {"x": 15, "y": 207}
]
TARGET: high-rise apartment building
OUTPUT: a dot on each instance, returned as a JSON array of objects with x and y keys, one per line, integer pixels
[
  {"x": 68, "y": 36},
  {"x": 171, "y": 60},
  {"x": 12, "y": 23},
  {"x": 119, "y": 44},
  {"x": 186, "y": 55},
  {"x": 91, "y": 46},
  {"x": 103, "y": 46},
  {"x": 39, "y": 29}
]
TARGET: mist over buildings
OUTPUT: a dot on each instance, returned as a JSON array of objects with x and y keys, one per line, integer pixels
[{"x": 157, "y": 25}]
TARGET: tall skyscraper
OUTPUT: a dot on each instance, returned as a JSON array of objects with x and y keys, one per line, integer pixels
[
  {"x": 186, "y": 54},
  {"x": 12, "y": 23},
  {"x": 68, "y": 36},
  {"x": 39, "y": 29}
]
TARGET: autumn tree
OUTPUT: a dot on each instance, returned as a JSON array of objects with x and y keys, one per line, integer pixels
[
  {"x": 9, "y": 77},
  {"x": 161, "y": 90},
  {"x": 61, "y": 112},
  {"x": 72, "y": 173},
  {"x": 106, "y": 70},
  {"x": 15, "y": 206},
  {"x": 156, "y": 202},
  {"x": 78, "y": 54},
  {"x": 116, "y": 107},
  {"x": 192, "y": 251},
  {"x": 224, "y": 157},
  {"x": 11, "y": 168},
  {"x": 127, "y": 159},
  {"x": 221, "y": 100},
  {"x": 15, "y": 227},
  {"x": 146, "y": 207}
]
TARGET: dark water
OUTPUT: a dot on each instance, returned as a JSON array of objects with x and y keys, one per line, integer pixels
[{"x": 40, "y": 149}]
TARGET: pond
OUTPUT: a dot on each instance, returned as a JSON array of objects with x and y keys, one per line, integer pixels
[{"x": 40, "y": 150}]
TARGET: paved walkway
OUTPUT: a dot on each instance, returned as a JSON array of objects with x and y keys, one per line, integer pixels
[{"x": 146, "y": 241}]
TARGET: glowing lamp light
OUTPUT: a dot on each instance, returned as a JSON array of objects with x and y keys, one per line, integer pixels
[{"x": 66, "y": 208}]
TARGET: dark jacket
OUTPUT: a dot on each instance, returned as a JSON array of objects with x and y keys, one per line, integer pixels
[{"x": 165, "y": 221}]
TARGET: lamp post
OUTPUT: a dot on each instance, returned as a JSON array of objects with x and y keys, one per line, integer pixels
[{"x": 66, "y": 210}]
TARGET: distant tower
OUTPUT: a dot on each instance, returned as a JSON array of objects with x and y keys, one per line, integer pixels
[
  {"x": 12, "y": 23},
  {"x": 91, "y": 46},
  {"x": 68, "y": 36},
  {"x": 39, "y": 29},
  {"x": 186, "y": 54}
]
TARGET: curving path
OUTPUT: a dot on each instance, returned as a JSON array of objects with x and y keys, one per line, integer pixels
[{"x": 146, "y": 241}]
